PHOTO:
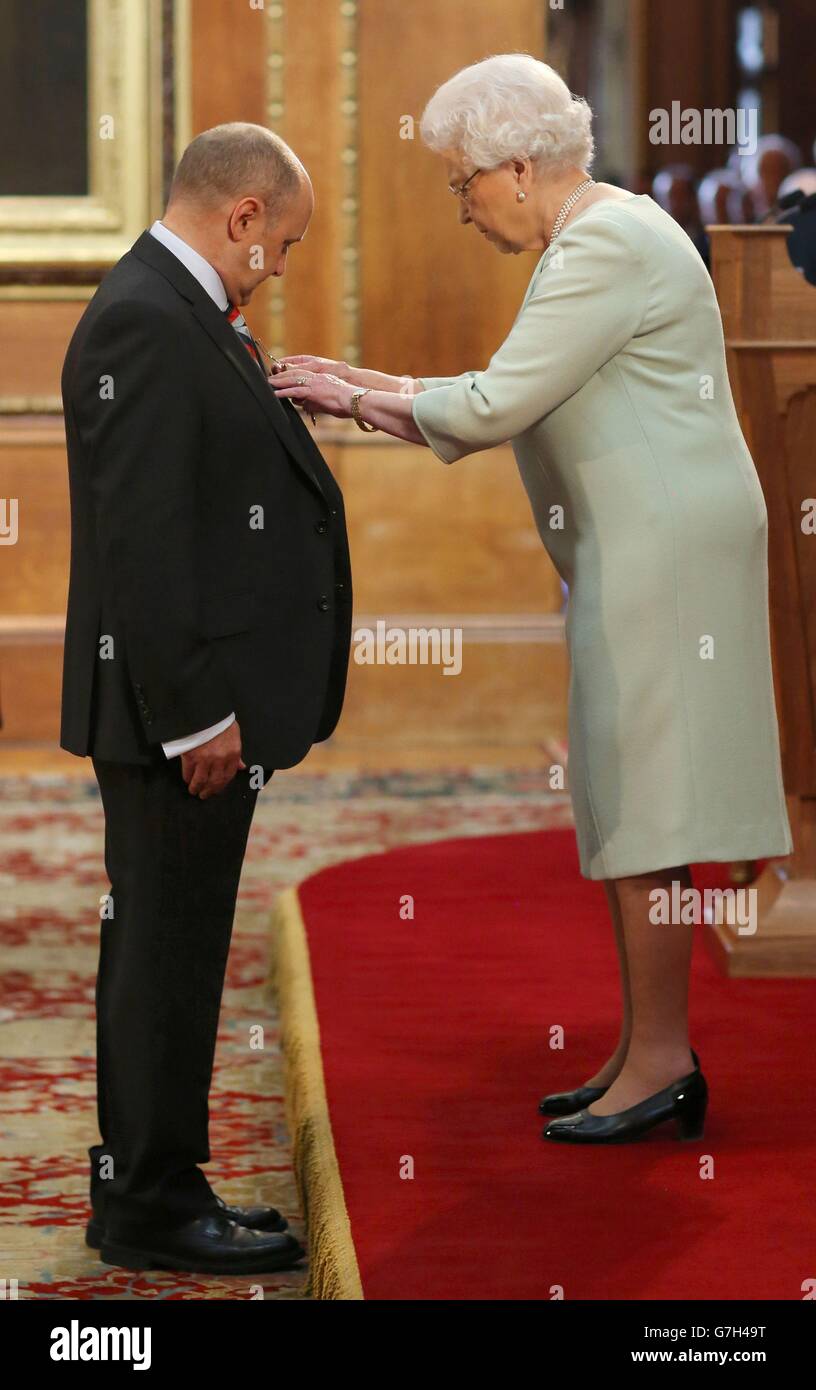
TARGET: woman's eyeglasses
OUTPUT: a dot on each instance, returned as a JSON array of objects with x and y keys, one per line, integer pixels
[{"x": 460, "y": 189}]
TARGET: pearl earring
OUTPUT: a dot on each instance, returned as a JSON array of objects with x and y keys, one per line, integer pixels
[{"x": 521, "y": 196}]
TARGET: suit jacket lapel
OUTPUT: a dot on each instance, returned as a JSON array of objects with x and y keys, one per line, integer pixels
[
  {"x": 220, "y": 330},
  {"x": 224, "y": 336}
]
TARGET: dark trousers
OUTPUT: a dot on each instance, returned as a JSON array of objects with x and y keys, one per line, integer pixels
[{"x": 174, "y": 862}]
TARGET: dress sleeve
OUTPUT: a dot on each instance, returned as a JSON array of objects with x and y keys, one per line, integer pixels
[
  {"x": 431, "y": 382},
  {"x": 587, "y": 304}
]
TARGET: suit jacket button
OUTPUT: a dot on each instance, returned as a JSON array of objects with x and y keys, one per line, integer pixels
[
  {"x": 321, "y": 527},
  {"x": 323, "y": 603},
  {"x": 339, "y": 585}
]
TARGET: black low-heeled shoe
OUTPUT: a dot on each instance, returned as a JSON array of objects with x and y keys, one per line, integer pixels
[
  {"x": 684, "y": 1101},
  {"x": 568, "y": 1102}
]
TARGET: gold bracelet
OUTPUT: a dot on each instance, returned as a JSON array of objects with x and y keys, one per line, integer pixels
[{"x": 355, "y": 409}]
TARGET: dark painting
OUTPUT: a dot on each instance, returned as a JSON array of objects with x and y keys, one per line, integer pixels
[{"x": 43, "y": 98}]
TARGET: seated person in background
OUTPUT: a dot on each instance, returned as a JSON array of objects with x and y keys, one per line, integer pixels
[
  {"x": 714, "y": 195},
  {"x": 764, "y": 171}
]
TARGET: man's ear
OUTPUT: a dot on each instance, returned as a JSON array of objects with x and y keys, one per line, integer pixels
[{"x": 244, "y": 216}]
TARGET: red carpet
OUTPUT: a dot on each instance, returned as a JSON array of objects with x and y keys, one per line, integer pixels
[{"x": 435, "y": 1050}]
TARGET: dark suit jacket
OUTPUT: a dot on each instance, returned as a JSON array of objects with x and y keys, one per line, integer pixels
[{"x": 209, "y": 558}]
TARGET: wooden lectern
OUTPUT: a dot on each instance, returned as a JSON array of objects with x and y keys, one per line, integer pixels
[{"x": 769, "y": 319}]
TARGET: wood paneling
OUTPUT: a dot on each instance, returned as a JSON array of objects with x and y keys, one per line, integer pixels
[
  {"x": 437, "y": 299},
  {"x": 507, "y": 694},
  {"x": 768, "y": 317},
  {"x": 312, "y": 126},
  {"x": 430, "y": 538},
  {"x": 227, "y": 49},
  {"x": 797, "y": 44},
  {"x": 30, "y": 682},
  {"x": 34, "y": 572},
  {"x": 686, "y": 55},
  {"x": 33, "y": 337}
]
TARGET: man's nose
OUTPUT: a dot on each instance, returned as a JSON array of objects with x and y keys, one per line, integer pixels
[{"x": 464, "y": 212}]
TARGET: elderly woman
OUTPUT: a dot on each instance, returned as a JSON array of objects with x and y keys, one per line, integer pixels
[{"x": 612, "y": 387}]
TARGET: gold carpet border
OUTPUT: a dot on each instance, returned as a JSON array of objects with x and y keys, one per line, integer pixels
[{"x": 334, "y": 1271}]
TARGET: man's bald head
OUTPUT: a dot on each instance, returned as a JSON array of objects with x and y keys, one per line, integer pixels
[
  {"x": 241, "y": 198},
  {"x": 234, "y": 160}
]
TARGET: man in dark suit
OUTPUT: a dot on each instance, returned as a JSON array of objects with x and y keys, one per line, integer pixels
[{"x": 207, "y": 643}]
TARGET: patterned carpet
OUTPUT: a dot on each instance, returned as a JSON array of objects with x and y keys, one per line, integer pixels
[{"x": 51, "y": 880}]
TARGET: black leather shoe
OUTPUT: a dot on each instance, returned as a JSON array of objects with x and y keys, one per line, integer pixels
[
  {"x": 684, "y": 1101},
  {"x": 568, "y": 1102},
  {"x": 256, "y": 1218},
  {"x": 210, "y": 1244}
]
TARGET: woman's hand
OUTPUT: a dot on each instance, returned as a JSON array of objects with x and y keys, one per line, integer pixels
[
  {"x": 385, "y": 410},
  {"x": 314, "y": 391},
  {"x": 323, "y": 365},
  {"x": 356, "y": 376}
]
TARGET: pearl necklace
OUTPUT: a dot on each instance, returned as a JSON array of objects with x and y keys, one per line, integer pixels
[{"x": 569, "y": 205}]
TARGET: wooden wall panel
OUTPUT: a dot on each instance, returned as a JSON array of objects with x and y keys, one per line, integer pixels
[
  {"x": 30, "y": 685},
  {"x": 797, "y": 44},
  {"x": 34, "y": 572},
  {"x": 227, "y": 51},
  {"x": 686, "y": 55},
  {"x": 313, "y": 92},
  {"x": 432, "y": 538},
  {"x": 34, "y": 335},
  {"x": 507, "y": 695},
  {"x": 437, "y": 299},
  {"x": 33, "y": 577}
]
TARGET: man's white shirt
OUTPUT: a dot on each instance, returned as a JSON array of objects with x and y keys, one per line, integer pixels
[{"x": 209, "y": 279}]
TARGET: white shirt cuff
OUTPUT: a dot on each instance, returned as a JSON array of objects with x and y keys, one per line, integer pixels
[{"x": 184, "y": 745}]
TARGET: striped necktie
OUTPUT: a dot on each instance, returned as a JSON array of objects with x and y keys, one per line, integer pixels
[{"x": 239, "y": 323}]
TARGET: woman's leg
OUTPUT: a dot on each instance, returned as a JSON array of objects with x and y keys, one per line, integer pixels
[
  {"x": 610, "y": 1069},
  {"x": 658, "y": 959}
]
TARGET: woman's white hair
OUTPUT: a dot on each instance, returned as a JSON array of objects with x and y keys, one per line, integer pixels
[{"x": 509, "y": 105}]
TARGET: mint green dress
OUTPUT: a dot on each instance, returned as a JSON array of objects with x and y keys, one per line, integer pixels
[{"x": 612, "y": 386}]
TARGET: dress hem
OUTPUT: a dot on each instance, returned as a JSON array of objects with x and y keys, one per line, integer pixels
[{"x": 763, "y": 848}]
